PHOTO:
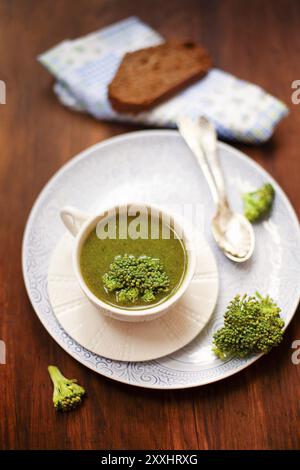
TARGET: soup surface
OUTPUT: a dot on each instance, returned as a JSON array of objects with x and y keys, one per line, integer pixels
[{"x": 97, "y": 255}]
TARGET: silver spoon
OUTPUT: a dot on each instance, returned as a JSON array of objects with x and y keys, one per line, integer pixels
[{"x": 232, "y": 231}]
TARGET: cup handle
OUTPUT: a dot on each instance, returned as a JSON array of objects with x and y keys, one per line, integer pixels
[{"x": 73, "y": 218}]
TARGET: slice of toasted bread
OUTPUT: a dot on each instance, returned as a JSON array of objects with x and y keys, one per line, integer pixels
[{"x": 148, "y": 76}]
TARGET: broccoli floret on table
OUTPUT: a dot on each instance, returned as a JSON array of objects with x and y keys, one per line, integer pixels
[{"x": 67, "y": 394}]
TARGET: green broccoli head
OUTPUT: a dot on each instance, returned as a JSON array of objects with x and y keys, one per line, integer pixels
[
  {"x": 258, "y": 203},
  {"x": 136, "y": 278},
  {"x": 251, "y": 325},
  {"x": 67, "y": 394}
]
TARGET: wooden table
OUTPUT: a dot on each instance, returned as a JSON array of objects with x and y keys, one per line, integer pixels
[{"x": 257, "y": 408}]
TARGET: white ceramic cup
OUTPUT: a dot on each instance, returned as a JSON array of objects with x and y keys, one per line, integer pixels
[{"x": 80, "y": 226}]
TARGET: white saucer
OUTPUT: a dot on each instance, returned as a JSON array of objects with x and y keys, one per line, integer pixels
[{"x": 125, "y": 341}]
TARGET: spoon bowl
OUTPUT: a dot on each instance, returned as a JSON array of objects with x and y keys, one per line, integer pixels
[{"x": 234, "y": 234}]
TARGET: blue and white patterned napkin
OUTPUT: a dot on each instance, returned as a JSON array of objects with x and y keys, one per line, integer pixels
[{"x": 84, "y": 67}]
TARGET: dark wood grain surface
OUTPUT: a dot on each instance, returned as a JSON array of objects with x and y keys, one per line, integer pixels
[{"x": 257, "y": 408}]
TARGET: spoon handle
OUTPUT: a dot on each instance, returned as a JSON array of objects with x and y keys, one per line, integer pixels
[
  {"x": 208, "y": 141},
  {"x": 190, "y": 133}
]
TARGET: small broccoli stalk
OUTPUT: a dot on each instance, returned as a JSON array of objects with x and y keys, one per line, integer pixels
[
  {"x": 67, "y": 394},
  {"x": 258, "y": 203}
]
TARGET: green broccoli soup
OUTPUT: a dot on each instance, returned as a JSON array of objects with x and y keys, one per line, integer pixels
[{"x": 137, "y": 272}]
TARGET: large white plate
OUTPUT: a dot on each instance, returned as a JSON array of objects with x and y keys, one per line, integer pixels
[{"x": 156, "y": 166}]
